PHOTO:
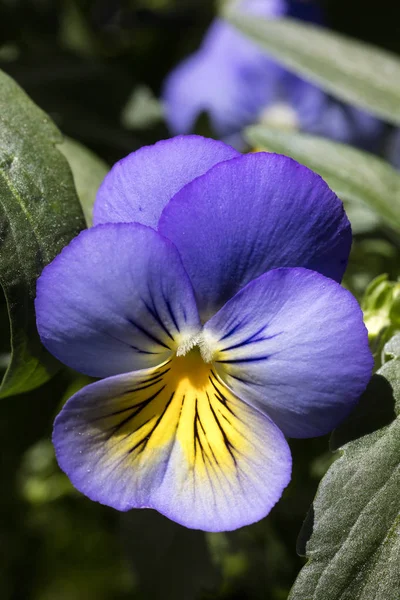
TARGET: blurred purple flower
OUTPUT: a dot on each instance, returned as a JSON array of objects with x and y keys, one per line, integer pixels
[
  {"x": 236, "y": 84},
  {"x": 207, "y": 297}
]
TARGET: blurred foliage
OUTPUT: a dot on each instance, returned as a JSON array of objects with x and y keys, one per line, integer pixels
[
  {"x": 347, "y": 68},
  {"x": 86, "y": 63},
  {"x": 362, "y": 181},
  {"x": 381, "y": 306}
]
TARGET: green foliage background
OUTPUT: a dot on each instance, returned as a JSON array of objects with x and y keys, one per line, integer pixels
[{"x": 95, "y": 67}]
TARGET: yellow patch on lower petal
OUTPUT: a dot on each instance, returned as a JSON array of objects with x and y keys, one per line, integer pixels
[{"x": 181, "y": 402}]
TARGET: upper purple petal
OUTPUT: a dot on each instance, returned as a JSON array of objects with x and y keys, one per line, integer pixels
[
  {"x": 139, "y": 186},
  {"x": 116, "y": 299},
  {"x": 293, "y": 343},
  {"x": 252, "y": 214}
]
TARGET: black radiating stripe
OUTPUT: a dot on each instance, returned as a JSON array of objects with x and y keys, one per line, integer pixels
[
  {"x": 148, "y": 334},
  {"x": 144, "y": 387},
  {"x": 140, "y": 351},
  {"x": 154, "y": 313},
  {"x": 231, "y": 331},
  {"x": 246, "y": 341},
  {"x": 148, "y": 381},
  {"x": 171, "y": 312},
  {"x": 244, "y": 360},
  {"x": 134, "y": 413},
  {"x": 220, "y": 396},
  {"x": 195, "y": 430},
  {"x": 132, "y": 407},
  {"x": 208, "y": 441},
  {"x": 197, "y": 438},
  {"x": 227, "y": 443},
  {"x": 243, "y": 380},
  {"x": 252, "y": 340},
  {"x": 148, "y": 436}
]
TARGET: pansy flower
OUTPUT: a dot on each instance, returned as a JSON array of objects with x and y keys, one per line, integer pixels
[
  {"x": 232, "y": 80},
  {"x": 206, "y": 297}
]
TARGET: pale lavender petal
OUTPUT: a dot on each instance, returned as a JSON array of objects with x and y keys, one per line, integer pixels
[
  {"x": 116, "y": 299},
  {"x": 139, "y": 186},
  {"x": 293, "y": 344}
]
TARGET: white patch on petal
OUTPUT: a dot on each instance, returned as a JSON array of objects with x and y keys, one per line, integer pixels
[
  {"x": 204, "y": 343},
  {"x": 188, "y": 344}
]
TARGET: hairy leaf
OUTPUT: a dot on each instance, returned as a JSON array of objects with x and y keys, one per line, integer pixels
[
  {"x": 349, "y": 69},
  {"x": 356, "y": 176},
  {"x": 39, "y": 214},
  {"x": 354, "y": 548}
]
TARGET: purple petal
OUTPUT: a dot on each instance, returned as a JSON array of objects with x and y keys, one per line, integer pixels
[
  {"x": 183, "y": 445},
  {"x": 293, "y": 344},
  {"x": 140, "y": 185},
  {"x": 116, "y": 299},
  {"x": 230, "y": 79},
  {"x": 320, "y": 114},
  {"x": 252, "y": 214}
]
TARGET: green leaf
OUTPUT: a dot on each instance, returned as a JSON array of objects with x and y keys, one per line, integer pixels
[
  {"x": 351, "y": 70},
  {"x": 88, "y": 171},
  {"x": 381, "y": 308},
  {"x": 39, "y": 214},
  {"x": 354, "y": 548},
  {"x": 356, "y": 176},
  {"x": 392, "y": 348}
]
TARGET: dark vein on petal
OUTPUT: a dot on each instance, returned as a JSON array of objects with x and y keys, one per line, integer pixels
[
  {"x": 244, "y": 360},
  {"x": 195, "y": 432},
  {"x": 158, "y": 421},
  {"x": 220, "y": 396},
  {"x": 231, "y": 331},
  {"x": 227, "y": 442},
  {"x": 148, "y": 334},
  {"x": 171, "y": 312},
  {"x": 140, "y": 351},
  {"x": 251, "y": 340},
  {"x": 156, "y": 316},
  {"x": 134, "y": 413},
  {"x": 208, "y": 441},
  {"x": 143, "y": 387}
]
